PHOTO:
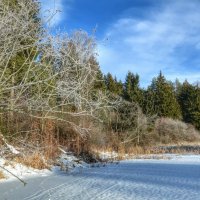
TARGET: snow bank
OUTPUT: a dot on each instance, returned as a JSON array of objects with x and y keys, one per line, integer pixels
[{"x": 19, "y": 170}]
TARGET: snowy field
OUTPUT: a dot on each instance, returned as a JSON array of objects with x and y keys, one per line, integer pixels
[{"x": 177, "y": 178}]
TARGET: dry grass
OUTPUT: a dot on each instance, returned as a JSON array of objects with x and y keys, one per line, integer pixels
[
  {"x": 35, "y": 161},
  {"x": 2, "y": 176},
  {"x": 176, "y": 149},
  {"x": 138, "y": 150},
  {"x": 6, "y": 163},
  {"x": 146, "y": 152},
  {"x": 122, "y": 152},
  {"x": 9, "y": 163}
]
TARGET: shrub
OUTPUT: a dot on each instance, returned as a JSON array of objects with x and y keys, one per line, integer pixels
[{"x": 175, "y": 131}]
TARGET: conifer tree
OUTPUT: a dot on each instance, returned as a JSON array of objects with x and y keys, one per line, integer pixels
[
  {"x": 132, "y": 92},
  {"x": 161, "y": 99},
  {"x": 120, "y": 88},
  {"x": 99, "y": 84},
  {"x": 189, "y": 100},
  {"x": 177, "y": 87},
  {"x": 17, "y": 64},
  {"x": 111, "y": 83}
]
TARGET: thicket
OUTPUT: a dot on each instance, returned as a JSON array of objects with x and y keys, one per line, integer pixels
[
  {"x": 53, "y": 94},
  {"x": 49, "y": 84}
]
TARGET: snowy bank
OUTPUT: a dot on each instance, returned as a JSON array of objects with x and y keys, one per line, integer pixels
[
  {"x": 65, "y": 163},
  {"x": 12, "y": 169}
]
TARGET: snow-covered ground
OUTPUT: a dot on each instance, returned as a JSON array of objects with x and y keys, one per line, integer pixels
[
  {"x": 177, "y": 178},
  {"x": 19, "y": 170},
  {"x": 12, "y": 170},
  {"x": 177, "y": 158}
]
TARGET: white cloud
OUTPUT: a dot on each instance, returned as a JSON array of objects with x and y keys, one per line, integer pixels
[
  {"x": 52, "y": 11},
  {"x": 165, "y": 40}
]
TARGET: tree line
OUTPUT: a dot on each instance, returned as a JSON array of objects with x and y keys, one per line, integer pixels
[{"x": 162, "y": 98}]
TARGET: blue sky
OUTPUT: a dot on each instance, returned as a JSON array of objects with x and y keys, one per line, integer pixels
[{"x": 143, "y": 36}]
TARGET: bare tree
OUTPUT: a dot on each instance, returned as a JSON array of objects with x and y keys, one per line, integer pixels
[
  {"x": 46, "y": 77},
  {"x": 58, "y": 76}
]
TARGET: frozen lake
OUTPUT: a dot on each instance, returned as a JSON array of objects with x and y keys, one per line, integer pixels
[{"x": 134, "y": 180}]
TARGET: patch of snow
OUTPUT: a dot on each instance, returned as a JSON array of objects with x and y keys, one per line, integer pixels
[
  {"x": 172, "y": 158},
  {"x": 19, "y": 170},
  {"x": 12, "y": 149},
  {"x": 68, "y": 163},
  {"x": 104, "y": 155},
  {"x": 192, "y": 159}
]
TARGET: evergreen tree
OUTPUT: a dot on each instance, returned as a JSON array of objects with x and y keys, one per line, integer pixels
[
  {"x": 132, "y": 92},
  {"x": 189, "y": 100},
  {"x": 19, "y": 64},
  {"x": 196, "y": 108},
  {"x": 119, "y": 87},
  {"x": 111, "y": 83},
  {"x": 160, "y": 99},
  {"x": 99, "y": 84},
  {"x": 148, "y": 102},
  {"x": 177, "y": 87}
]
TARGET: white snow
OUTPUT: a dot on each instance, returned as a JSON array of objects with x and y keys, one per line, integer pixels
[
  {"x": 172, "y": 158},
  {"x": 68, "y": 163},
  {"x": 104, "y": 155},
  {"x": 12, "y": 149},
  {"x": 190, "y": 159},
  {"x": 19, "y": 170},
  {"x": 173, "y": 177}
]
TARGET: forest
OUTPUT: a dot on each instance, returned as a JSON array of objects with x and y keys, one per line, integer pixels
[{"x": 54, "y": 96}]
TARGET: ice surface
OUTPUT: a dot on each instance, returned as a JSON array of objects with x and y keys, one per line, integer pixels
[{"x": 176, "y": 178}]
